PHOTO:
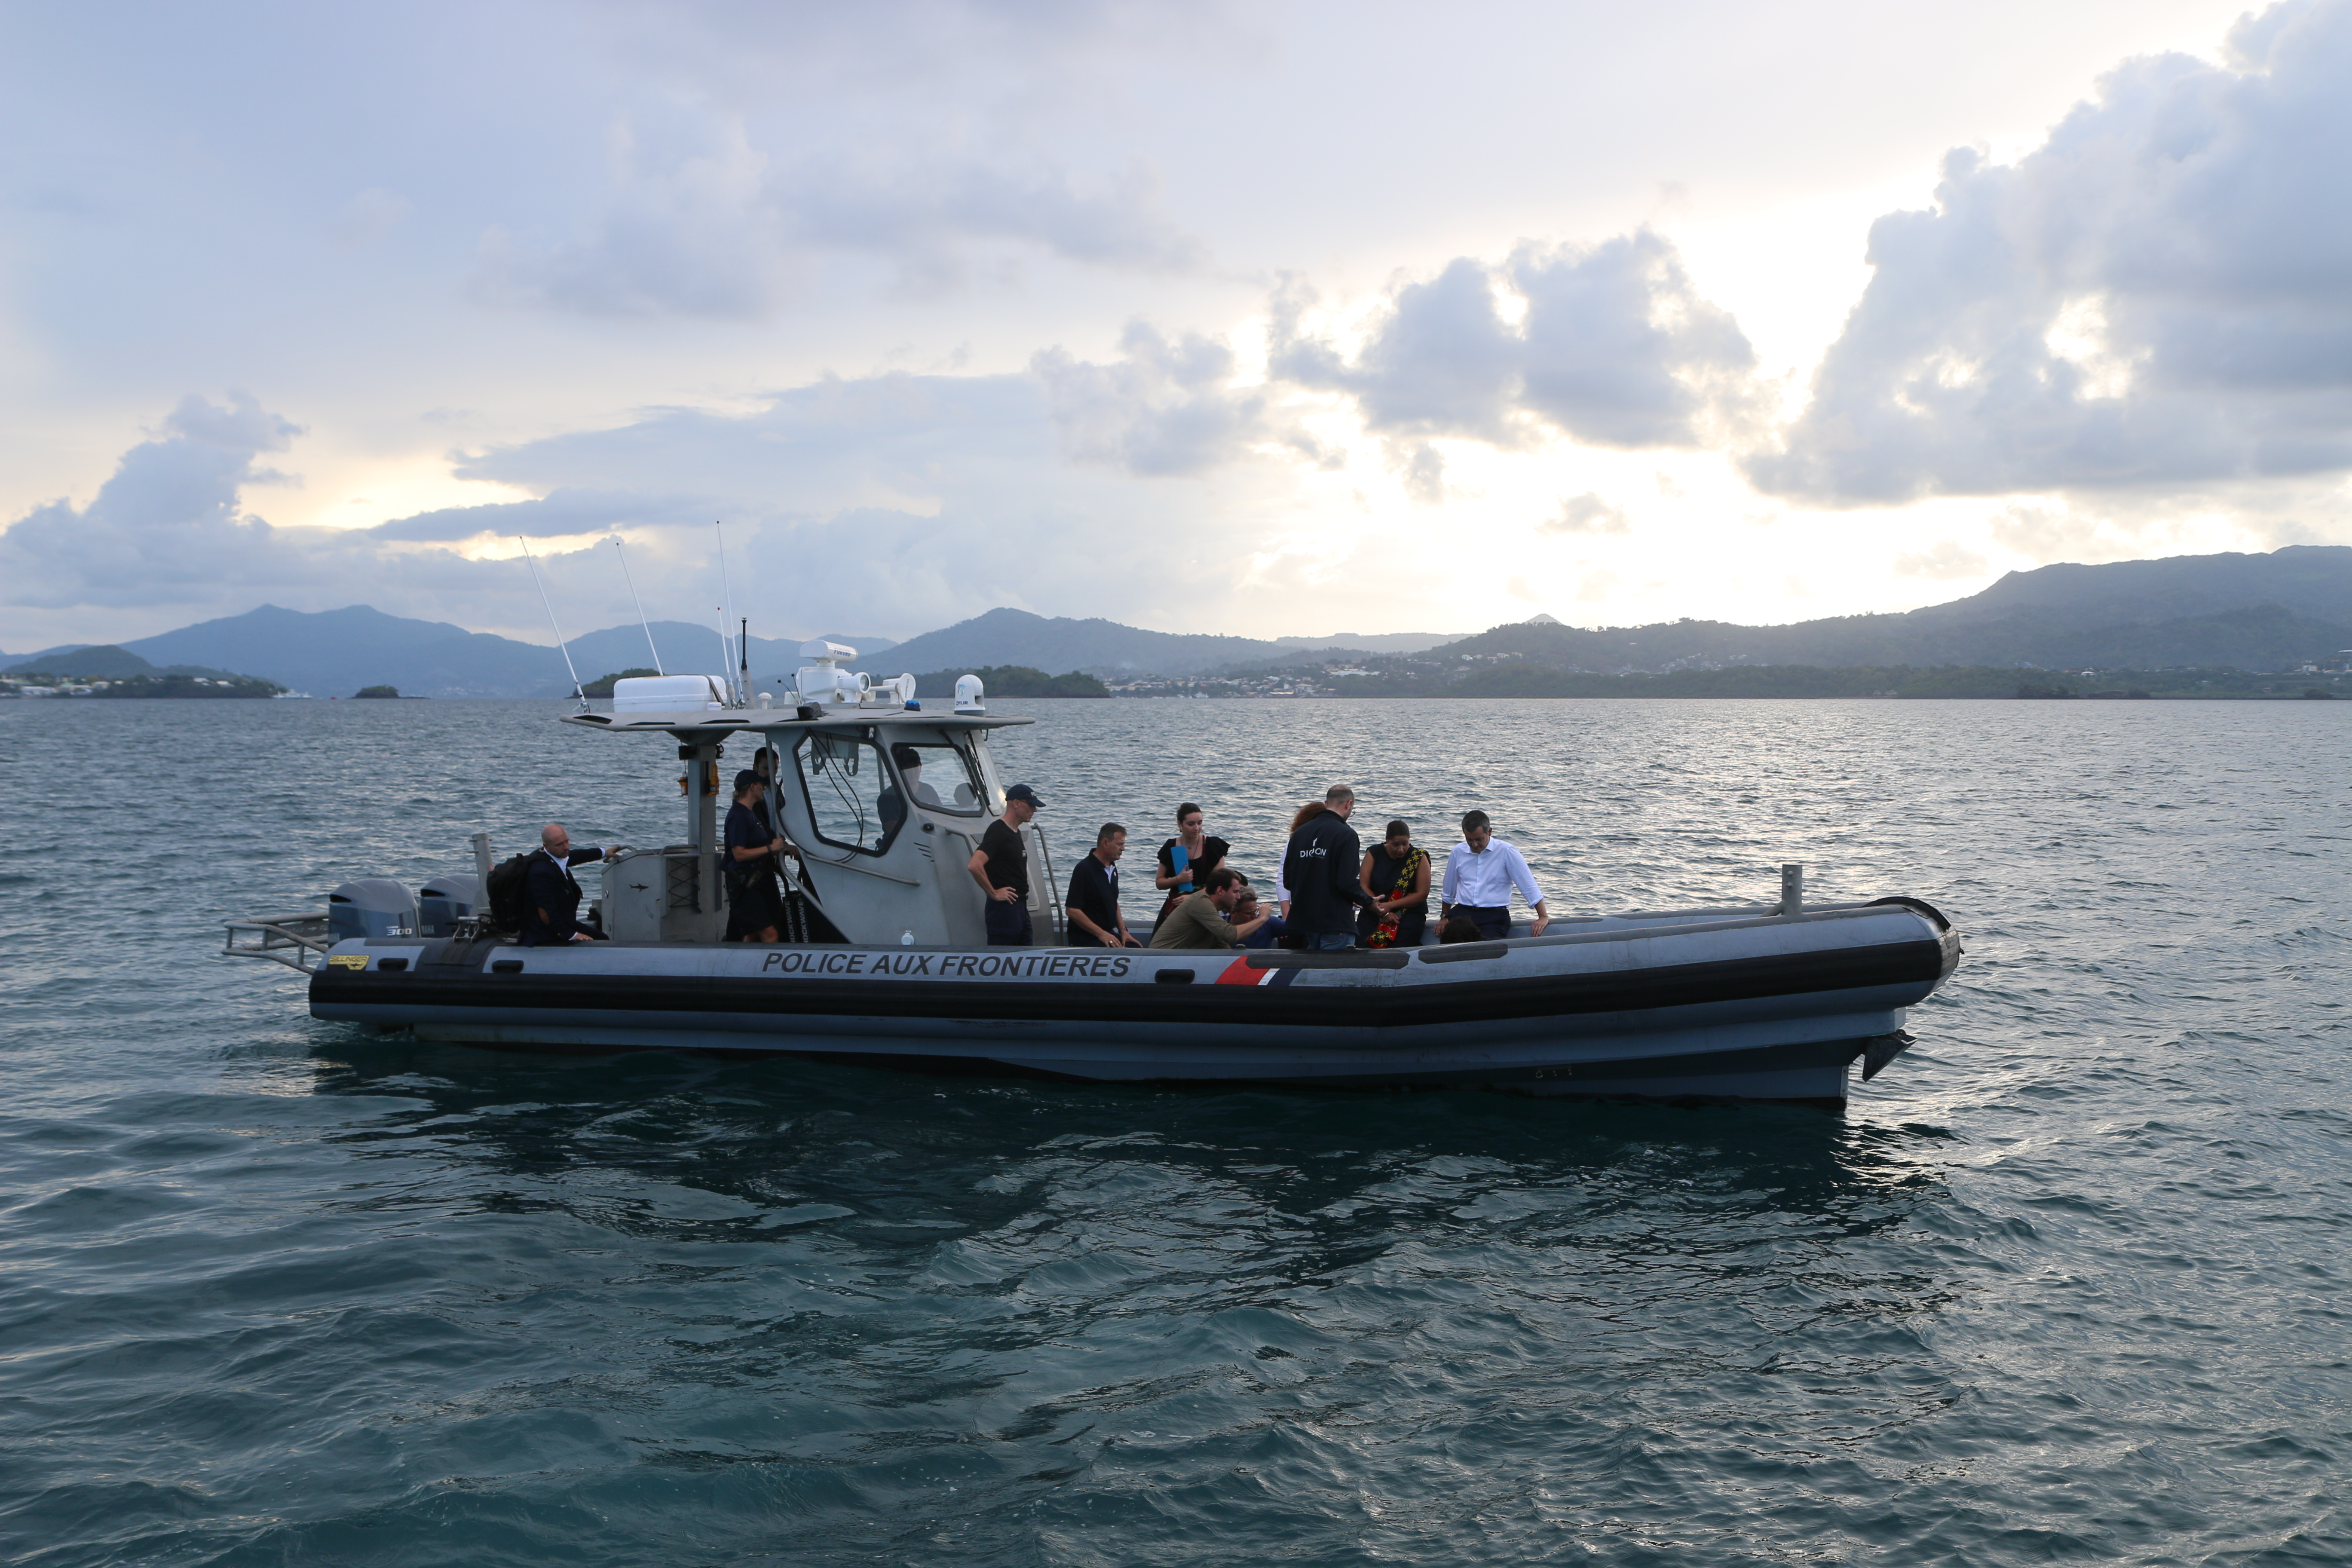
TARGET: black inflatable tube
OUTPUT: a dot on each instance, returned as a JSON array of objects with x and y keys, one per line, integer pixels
[{"x": 1918, "y": 962}]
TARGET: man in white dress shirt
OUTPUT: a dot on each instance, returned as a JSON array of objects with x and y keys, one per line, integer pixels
[{"x": 1479, "y": 877}]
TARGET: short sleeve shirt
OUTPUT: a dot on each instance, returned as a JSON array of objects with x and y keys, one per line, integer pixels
[
  {"x": 745, "y": 830},
  {"x": 1094, "y": 893},
  {"x": 1008, "y": 861},
  {"x": 1212, "y": 849}
]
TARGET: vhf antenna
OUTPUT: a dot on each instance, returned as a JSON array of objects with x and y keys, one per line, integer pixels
[
  {"x": 640, "y": 604},
  {"x": 543, "y": 599},
  {"x": 727, "y": 605}
]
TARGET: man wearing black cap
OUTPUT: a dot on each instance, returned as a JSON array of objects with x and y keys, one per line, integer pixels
[
  {"x": 752, "y": 848},
  {"x": 1001, "y": 867}
]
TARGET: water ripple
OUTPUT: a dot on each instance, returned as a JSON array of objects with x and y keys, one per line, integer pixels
[{"x": 2067, "y": 1283}]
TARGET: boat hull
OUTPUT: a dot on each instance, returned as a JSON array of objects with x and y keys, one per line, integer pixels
[{"x": 1747, "y": 1007}]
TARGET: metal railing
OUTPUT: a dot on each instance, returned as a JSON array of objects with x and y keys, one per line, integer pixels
[
  {"x": 1053, "y": 911},
  {"x": 297, "y": 940}
]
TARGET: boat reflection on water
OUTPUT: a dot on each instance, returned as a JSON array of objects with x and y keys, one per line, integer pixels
[{"x": 914, "y": 1177}]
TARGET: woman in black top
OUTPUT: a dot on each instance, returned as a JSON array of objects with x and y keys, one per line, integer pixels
[
  {"x": 751, "y": 844},
  {"x": 1186, "y": 860},
  {"x": 1398, "y": 875}
]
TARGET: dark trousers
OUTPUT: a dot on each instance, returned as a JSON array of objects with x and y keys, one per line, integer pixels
[
  {"x": 1493, "y": 923},
  {"x": 753, "y": 905},
  {"x": 1008, "y": 924}
]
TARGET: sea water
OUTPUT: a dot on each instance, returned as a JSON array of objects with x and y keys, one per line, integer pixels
[{"x": 2066, "y": 1283}]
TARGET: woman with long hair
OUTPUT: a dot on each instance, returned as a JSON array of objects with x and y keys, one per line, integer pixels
[{"x": 1186, "y": 860}]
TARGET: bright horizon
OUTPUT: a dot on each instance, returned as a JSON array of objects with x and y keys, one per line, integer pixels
[{"x": 1202, "y": 320}]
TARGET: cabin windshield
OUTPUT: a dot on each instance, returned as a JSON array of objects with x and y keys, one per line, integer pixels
[
  {"x": 852, "y": 800},
  {"x": 940, "y": 776}
]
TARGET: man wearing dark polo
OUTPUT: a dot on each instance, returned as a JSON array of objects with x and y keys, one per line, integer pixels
[
  {"x": 1093, "y": 903},
  {"x": 1001, "y": 867}
]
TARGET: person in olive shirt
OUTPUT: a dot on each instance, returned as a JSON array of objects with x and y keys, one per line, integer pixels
[
  {"x": 1001, "y": 867},
  {"x": 1199, "y": 921}
]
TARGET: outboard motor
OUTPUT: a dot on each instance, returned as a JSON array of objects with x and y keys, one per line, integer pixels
[
  {"x": 370, "y": 907},
  {"x": 442, "y": 902}
]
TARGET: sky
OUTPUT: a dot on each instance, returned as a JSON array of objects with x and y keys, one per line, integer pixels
[{"x": 1255, "y": 320}]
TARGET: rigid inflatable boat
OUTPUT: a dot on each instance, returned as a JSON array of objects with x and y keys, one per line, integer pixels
[{"x": 1777, "y": 1001}]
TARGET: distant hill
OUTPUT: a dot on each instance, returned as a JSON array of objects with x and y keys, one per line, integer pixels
[
  {"x": 1383, "y": 642},
  {"x": 107, "y": 662},
  {"x": 2246, "y": 611},
  {"x": 1010, "y": 681},
  {"x": 2313, "y": 580},
  {"x": 2254, "y": 612},
  {"x": 1009, "y": 637},
  {"x": 341, "y": 650}
]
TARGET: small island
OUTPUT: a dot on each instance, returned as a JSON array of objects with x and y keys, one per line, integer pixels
[
  {"x": 603, "y": 685},
  {"x": 109, "y": 671},
  {"x": 375, "y": 691},
  {"x": 1017, "y": 680}
]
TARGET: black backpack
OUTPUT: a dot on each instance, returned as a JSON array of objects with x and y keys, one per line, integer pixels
[{"x": 508, "y": 893}]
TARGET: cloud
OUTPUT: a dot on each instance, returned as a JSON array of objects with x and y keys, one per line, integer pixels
[
  {"x": 699, "y": 221},
  {"x": 1609, "y": 345},
  {"x": 166, "y": 526},
  {"x": 2160, "y": 294},
  {"x": 899, "y": 502},
  {"x": 1422, "y": 468},
  {"x": 1587, "y": 514},
  {"x": 560, "y": 513},
  {"x": 368, "y": 217},
  {"x": 1164, "y": 408},
  {"x": 1942, "y": 562},
  {"x": 1623, "y": 352}
]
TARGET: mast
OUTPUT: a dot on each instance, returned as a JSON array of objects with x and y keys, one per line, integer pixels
[
  {"x": 543, "y": 599},
  {"x": 640, "y": 604},
  {"x": 725, "y": 607}
]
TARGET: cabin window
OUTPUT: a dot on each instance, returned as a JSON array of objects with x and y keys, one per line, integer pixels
[
  {"x": 940, "y": 776},
  {"x": 851, "y": 799}
]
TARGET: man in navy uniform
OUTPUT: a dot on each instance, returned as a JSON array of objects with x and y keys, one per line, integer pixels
[
  {"x": 550, "y": 897},
  {"x": 1001, "y": 867},
  {"x": 1093, "y": 901}
]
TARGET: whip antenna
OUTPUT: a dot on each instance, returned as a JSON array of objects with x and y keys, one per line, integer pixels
[
  {"x": 725, "y": 607},
  {"x": 640, "y": 604},
  {"x": 551, "y": 621}
]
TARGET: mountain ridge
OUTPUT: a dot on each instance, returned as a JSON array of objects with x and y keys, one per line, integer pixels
[
  {"x": 2047, "y": 616},
  {"x": 336, "y": 652},
  {"x": 2176, "y": 609}
]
